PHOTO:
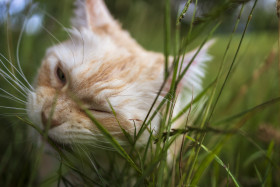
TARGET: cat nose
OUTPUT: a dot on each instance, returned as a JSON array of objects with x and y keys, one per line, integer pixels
[{"x": 53, "y": 122}]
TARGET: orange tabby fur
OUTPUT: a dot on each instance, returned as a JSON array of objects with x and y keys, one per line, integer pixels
[{"x": 100, "y": 62}]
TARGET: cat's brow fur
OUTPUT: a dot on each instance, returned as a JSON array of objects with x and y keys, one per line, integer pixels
[{"x": 101, "y": 63}]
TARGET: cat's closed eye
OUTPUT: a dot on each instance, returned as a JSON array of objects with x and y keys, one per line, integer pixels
[
  {"x": 99, "y": 110},
  {"x": 97, "y": 107}
]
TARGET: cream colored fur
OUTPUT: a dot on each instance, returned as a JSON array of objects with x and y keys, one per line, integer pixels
[{"x": 102, "y": 62}]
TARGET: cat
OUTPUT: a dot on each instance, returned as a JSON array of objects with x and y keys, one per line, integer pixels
[{"x": 102, "y": 65}]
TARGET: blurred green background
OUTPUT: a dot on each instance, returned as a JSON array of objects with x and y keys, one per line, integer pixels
[{"x": 254, "y": 80}]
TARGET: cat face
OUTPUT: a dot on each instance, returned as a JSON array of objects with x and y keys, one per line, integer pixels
[
  {"x": 98, "y": 65},
  {"x": 95, "y": 74}
]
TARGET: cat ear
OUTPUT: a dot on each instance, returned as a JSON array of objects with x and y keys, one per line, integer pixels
[
  {"x": 192, "y": 80},
  {"x": 92, "y": 14}
]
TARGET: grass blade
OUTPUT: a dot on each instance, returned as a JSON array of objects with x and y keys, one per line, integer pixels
[
  {"x": 218, "y": 160},
  {"x": 112, "y": 140}
]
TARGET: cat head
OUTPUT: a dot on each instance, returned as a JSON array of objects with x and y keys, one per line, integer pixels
[{"x": 98, "y": 65}]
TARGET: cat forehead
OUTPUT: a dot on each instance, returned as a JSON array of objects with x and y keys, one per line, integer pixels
[{"x": 85, "y": 46}]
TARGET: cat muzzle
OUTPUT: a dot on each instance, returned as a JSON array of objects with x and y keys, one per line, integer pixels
[{"x": 49, "y": 123}]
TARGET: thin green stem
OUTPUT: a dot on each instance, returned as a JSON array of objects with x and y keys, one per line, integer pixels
[
  {"x": 201, "y": 137},
  {"x": 167, "y": 29},
  {"x": 236, "y": 53}
]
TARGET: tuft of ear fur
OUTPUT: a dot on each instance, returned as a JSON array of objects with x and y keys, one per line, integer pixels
[
  {"x": 192, "y": 80},
  {"x": 92, "y": 14}
]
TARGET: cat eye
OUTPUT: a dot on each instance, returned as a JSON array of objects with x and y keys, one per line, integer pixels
[{"x": 61, "y": 76}]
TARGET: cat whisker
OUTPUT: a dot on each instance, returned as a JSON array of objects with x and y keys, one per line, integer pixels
[
  {"x": 12, "y": 96},
  {"x": 92, "y": 136},
  {"x": 18, "y": 45},
  {"x": 84, "y": 134},
  {"x": 12, "y": 114},
  {"x": 23, "y": 94},
  {"x": 14, "y": 108},
  {"x": 13, "y": 76},
  {"x": 92, "y": 162},
  {"x": 83, "y": 46},
  {"x": 16, "y": 84},
  {"x": 75, "y": 141},
  {"x": 66, "y": 30},
  {"x": 45, "y": 29},
  {"x": 6, "y": 77},
  {"x": 21, "y": 91},
  {"x": 108, "y": 148},
  {"x": 78, "y": 146}
]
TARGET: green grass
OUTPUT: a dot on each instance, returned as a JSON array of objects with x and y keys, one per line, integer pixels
[{"x": 227, "y": 149}]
